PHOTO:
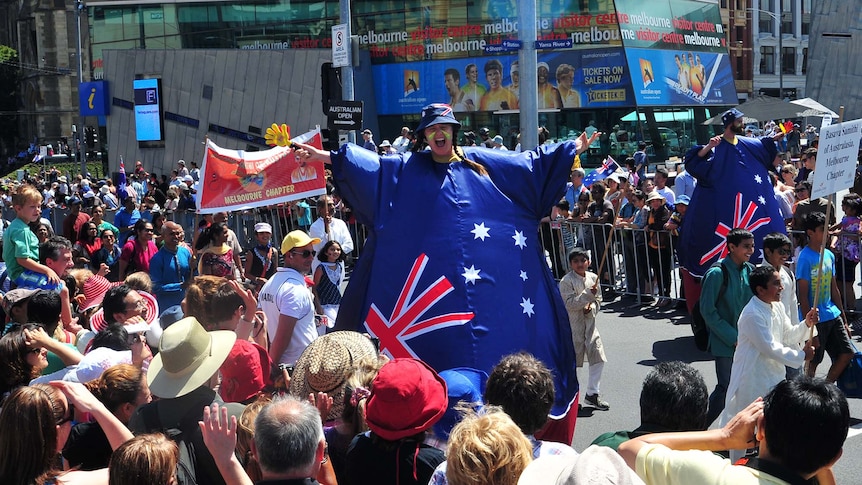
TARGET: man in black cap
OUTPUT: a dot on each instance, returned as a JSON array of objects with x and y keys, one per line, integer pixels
[
  {"x": 369, "y": 140},
  {"x": 485, "y": 134},
  {"x": 74, "y": 220}
]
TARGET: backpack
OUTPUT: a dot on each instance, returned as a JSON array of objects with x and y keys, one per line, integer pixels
[
  {"x": 191, "y": 467},
  {"x": 698, "y": 324}
]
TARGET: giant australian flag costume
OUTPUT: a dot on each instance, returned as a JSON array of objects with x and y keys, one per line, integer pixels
[
  {"x": 453, "y": 271},
  {"x": 733, "y": 190}
]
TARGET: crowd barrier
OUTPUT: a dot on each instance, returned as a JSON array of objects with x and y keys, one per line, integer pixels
[{"x": 630, "y": 267}]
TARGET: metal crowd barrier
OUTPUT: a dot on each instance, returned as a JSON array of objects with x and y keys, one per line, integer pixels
[{"x": 630, "y": 267}]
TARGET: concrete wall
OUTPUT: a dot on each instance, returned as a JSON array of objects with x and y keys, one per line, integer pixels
[
  {"x": 249, "y": 88},
  {"x": 834, "y": 64}
]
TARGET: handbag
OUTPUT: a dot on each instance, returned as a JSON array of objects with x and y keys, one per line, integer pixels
[{"x": 850, "y": 381}]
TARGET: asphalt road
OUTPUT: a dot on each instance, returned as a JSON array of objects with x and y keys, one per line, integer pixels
[{"x": 635, "y": 339}]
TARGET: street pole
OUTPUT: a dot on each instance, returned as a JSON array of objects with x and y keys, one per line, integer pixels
[
  {"x": 780, "y": 51},
  {"x": 82, "y": 158},
  {"x": 347, "y": 91},
  {"x": 529, "y": 85}
]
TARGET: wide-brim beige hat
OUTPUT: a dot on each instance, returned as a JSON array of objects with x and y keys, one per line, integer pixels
[
  {"x": 188, "y": 357},
  {"x": 327, "y": 363},
  {"x": 654, "y": 195},
  {"x": 596, "y": 465}
]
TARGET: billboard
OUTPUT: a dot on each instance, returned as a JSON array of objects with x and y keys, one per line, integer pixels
[
  {"x": 596, "y": 78},
  {"x": 148, "y": 110},
  {"x": 671, "y": 24},
  {"x": 681, "y": 78}
]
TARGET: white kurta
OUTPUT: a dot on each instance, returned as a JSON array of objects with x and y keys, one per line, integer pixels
[{"x": 761, "y": 354}]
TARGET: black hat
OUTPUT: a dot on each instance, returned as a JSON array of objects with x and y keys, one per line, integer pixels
[{"x": 484, "y": 131}]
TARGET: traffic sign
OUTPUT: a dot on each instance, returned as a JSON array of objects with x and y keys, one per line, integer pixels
[
  {"x": 340, "y": 46},
  {"x": 345, "y": 115},
  {"x": 507, "y": 45},
  {"x": 554, "y": 44}
]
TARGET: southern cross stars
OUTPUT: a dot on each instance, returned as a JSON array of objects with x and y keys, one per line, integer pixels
[
  {"x": 480, "y": 231},
  {"x": 527, "y": 305},
  {"x": 471, "y": 274},
  {"x": 520, "y": 240}
]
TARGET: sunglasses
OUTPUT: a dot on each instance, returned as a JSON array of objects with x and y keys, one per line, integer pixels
[
  {"x": 305, "y": 254},
  {"x": 785, "y": 252},
  {"x": 69, "y": 417}
]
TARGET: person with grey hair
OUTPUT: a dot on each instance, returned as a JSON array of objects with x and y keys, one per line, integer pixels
[
  {"x": 575, "y": 187},
  {"x": 288, "y": 443},
  {"x": 288, "y": 440}
]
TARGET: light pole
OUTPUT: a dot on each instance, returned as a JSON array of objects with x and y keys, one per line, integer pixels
[
  {"x": 82, "y": 158},
  {"x": 777, "y": 18}
]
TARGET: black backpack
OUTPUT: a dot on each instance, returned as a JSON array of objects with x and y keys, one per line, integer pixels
[
  {"x": 192, "y": 466},
  {"x": 698, "y": 324}
]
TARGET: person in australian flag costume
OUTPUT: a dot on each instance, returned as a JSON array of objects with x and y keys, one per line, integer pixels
[
  {"x": 733, "y": 190},
  {"x": 453, "y": 270}
]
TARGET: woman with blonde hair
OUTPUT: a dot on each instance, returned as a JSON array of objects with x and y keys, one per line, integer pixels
[
  {"x": 487, "y": 449},
  {"x": 148, "y": 459},
  {"x": 122, "y": 389}
]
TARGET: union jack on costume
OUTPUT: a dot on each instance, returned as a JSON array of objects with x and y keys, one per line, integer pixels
[
  {"x": 453, "y": 270},
  {"x": 733, "y": 190}
]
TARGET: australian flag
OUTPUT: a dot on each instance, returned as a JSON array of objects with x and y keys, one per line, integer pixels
[
  {"x": 464, "y": 282},
  {"x": 733, "y": 190},
  {"x": 121, "y": 182},
  {"x": 609, "y": 166}
]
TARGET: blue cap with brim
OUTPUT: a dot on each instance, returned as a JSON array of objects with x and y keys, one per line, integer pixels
[
  {"x": 729, "y": 116},
  {"x": 435, "y": 114},
  {"x": 463, "y": 384}
]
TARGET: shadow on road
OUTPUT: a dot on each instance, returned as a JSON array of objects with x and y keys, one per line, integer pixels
[
  {"x": 680, "y": 348},
  {"x": 630, "y": 308}
]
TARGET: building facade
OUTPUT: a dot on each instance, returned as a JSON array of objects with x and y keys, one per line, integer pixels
[
  {"x": 780, "y": 32},
  {"x": 633, "y": 72}
]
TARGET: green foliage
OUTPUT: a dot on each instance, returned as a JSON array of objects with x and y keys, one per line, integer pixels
[{"x": 7, "y": 53}]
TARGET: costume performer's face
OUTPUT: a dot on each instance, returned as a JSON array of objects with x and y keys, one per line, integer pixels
[
  {"x": 439, "y": 138},
  {"x": 738, "y": 127}
]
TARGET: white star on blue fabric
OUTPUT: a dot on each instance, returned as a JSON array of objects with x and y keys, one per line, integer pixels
[
  {"x": 758, "y": 179},
  {"x": 471, "y": 274},
  {"x": 520, "y": 240},
  {"x": 523, "y": 275},
  {"x": 480, "y": 231},
  {"x": 527, "y": 305},
  {"x": 761, "y": 200}
]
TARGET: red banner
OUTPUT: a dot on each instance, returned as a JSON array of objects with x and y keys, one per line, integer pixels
[{"x": 237, "y": 179}]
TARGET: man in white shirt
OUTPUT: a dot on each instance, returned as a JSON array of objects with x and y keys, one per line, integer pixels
[
  {"x": 661, "y": 176},
  {"x": 402, "y": 142},
  {"x": 337, "y": 231},
  {"x": 288, "y": 302}
]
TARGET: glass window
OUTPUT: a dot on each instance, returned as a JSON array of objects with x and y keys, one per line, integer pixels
[
  {"x": 767, "y": 60},
  {"x": 805, "y": 60},
  {"x": 788, "y": 60}
]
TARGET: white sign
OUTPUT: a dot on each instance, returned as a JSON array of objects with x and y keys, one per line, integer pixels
[
  {"x": 340, "y": 46},
  {"x": 836, "y": 158},
  {"x": 827, "y": 120}
]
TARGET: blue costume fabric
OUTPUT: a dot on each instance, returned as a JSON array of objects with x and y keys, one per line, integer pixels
[
  {"x": 733, "y": 190},
  {"x": 453, "y": 271}
]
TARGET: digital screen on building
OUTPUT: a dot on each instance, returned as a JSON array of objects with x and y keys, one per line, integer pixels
[
  {"x": 682, "y": 25},
  {"x": 148, "y": 110}
]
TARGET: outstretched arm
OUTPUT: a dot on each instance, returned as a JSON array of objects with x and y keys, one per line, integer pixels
[{"x": 311, "y": 153}]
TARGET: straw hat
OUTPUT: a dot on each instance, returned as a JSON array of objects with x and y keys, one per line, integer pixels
[
  {"x": 188, "y": 357},
  {"x": 327, "y": 363}
]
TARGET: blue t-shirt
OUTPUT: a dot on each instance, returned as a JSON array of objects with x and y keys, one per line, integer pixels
[
  {"x": 806, "y": 269},
  {"x": 305, "y": 219}
]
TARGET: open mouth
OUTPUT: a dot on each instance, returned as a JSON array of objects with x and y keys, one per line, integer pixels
[{"x": 440, "y": 142}]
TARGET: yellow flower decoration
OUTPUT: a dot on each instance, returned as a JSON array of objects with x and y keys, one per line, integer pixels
[{"x": 278, "y": 135}]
